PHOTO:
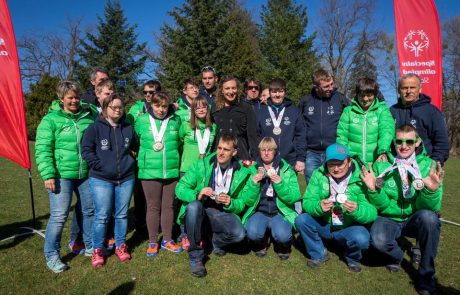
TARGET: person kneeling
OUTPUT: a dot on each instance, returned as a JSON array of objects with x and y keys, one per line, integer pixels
[
  {"x": 274, "y": 207},
  {"x": 336, "y": 209},
  {"x": 407, "y": 193},
  {"x": 216, "y": 187}
]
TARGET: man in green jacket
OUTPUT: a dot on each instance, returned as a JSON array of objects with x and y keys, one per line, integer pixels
[
  {"x": 407, "y": 193},
  {"x": 336, "y": 209},
  {"x": 216, "y": 187}
]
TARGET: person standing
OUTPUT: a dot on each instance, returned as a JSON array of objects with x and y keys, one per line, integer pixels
[
  {"x": 252, "y": 88},
  {"x": 209, "y": 79},
  {"x": 95, "y": 77},
  {"x": 189, "y": 93}
]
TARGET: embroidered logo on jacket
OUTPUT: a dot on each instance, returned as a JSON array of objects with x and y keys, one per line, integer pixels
[{"x": 104, "y": 144}]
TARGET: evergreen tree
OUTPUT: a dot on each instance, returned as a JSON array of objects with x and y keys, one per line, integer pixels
[
  {"x": 38, "y": 100},
  {"x": 212, "y": 32},
  {"x": 287, "y": 53},
  {"x": 113, "y": 48},
  {"x": 363, "y": 63}
]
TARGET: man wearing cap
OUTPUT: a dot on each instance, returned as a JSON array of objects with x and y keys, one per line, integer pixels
[
  {"x": 209, "y": 80},
  {"x": 336, "y": 209},
  {"x": 407, "y": 192}
]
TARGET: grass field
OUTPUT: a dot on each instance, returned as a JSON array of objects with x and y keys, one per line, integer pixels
[{"x": 23, "y": 270}]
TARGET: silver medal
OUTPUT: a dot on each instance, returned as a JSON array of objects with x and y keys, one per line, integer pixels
[
  {"x": 158, "y": 146},
  {"x": 277, "y": 131},
  {"x": 341, "y": 198},
  {"x": 379, "y": 183},
  {"x": 418, "y": 184},
  {"x": 261, "y": 170},
  {"x": 271, "y": 172}
]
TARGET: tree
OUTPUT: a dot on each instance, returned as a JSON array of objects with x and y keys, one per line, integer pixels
[
  {"x": 213, "y": 32},
  {"x": 113, "y": 48},
  {"x": 287, "y": 52},
  {"x": 388, "y": 66},
  {"x": 341, "y": 23},
  {"x": 363, "y": 64},
  {"x": 38, "y": 101}
]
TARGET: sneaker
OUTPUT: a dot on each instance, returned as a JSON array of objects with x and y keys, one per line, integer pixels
[
  {"x": 317, "y": 263},
  {"x": 354, "y": 267},
  {"x": 76, "y": 247},
  {"x": 393, "y": 267},
  {"x": 110, "y": 244},
  {"x": 152, "y": 249},
  {"x": 97, "y": 259},
  {"x": 89, "y": 252},
  {"x": 416, "y": 257},
  {"x": 197, "y": 269},
  {"x": 283, "y": 256},
  {"x": 56, "y": 265},
  {"x": 218, "y": 251},
  {"x": 262, "y": 252},
  {"x": 170, "y": 246},
  {"x": 185, "y": 243},
  {"x": 122, "y": 253}
]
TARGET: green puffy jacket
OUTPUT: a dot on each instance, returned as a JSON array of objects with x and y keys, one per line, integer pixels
[
  {"x": 183, "y": 111},
  {"x": 366, "y": 134},
  {"x": 57, "y": 147},
  {"x": 389, "y": 200},
  {"x": 199, "y": 176},
  {"x": 136, "y": 111},
  {"x": 287, "y": 192},
  {"x": 163, "y": 164},
  {"x": 319, "y": 189},
  {"x": 190, "y": 152}
]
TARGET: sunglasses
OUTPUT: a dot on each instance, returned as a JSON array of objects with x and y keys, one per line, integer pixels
[
  {"x": 208, "y": 69},
  {"x": 408, "y": 142},
  {"x": 149, "y": 92},
  {"x": 253, "y": 87}
]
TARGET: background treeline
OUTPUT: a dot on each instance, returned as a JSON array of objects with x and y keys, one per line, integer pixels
[{"x": 222, "y": 33}]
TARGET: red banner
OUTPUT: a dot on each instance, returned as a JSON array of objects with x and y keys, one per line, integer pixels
[
  {"x": 418, "y": 39},
  {"x": 13, "y": 131}
]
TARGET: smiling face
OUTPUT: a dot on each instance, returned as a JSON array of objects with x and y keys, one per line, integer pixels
[
  {"x": 406, "y": 143},
  {"x": 338, "y": 168},
  {"x": 277, "y": 96},
  {"x": 148, "y": 92},
  {"x": 230, "y": 91},
  {"x": 325, "y": 88},
  {"x": 409, "y": 90},
  {"x": 71, "y": 102},
  {"x": 366, "y": 100},
  {"x": 191, "y": 92},
  {"x": 201, "y": 110},
  {"x": 114, "y": 110}
]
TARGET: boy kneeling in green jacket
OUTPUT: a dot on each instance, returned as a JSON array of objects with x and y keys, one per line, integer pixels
[{"x": 336, "y": 209}]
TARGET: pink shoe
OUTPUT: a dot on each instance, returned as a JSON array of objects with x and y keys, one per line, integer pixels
[
  {"x": 185, "y": 243},
  {"x": 97, "y": 259},
  {"x": 122, "y": 253}
]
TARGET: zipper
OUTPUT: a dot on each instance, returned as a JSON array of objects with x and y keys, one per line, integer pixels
[
  {"x": 364, "y": 137},
  {"x": 118, "y": 155}
]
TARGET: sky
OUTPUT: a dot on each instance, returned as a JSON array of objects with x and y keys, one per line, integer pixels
[{"x": 29, "y": 16}]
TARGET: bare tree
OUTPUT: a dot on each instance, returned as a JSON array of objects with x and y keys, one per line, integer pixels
[
  {"x": 388, "y": 64},
  {"x": 341, "y": 22},
  {"x": 51, "y": 53}
]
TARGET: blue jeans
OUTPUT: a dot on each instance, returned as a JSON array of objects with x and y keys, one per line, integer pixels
[
  {"x": 425, "y": 226},
  {"x": 76, "y": 223},
  {"x": 281, "y": 229},
  {"x": 226, "y": 228},
  {"x": 109, "y": 197},
  {"x": 312, "y": 161},
  {"x": 60, "y": 201},
  {"x": 354, "y": 238}
]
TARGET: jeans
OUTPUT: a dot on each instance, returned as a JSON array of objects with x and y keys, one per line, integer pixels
[
  {"x": 76, "y": 223},
  {"x": 281, "y": 229},
  {"x": 313, "y": 160},
  {"x": 60, "y": 201},
  {"x": 354, "y": 238},
  {"x": 425, "y": 226},
  {"x": 109, "y": 197},
  {"x": 226, "y": 227}
]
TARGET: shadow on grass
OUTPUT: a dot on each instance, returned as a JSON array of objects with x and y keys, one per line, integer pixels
[
  {"x": 124, "y": 288},
  {"x": 12, "y": 229}
]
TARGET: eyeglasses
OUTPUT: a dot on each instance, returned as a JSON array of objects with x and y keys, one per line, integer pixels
[
  {"x": 116, "y": 108},
  {"x": 266, "y": 150},
  {"x": 208, "y": 69},
  {"x": 408, "y": 142},
  {"x": 253, "y": 88},
  {"x": 149, "y": 92}
]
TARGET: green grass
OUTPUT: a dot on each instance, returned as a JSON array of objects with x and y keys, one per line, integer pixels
[{"x": 23, "y": 270}]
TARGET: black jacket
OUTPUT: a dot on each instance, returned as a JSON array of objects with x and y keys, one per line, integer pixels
[
  {"x": 428, "y": 121},
  {"x": 240, "y": 120},
  {"x": 107, "y": 150},
  {"x": 90, "y": 97}
]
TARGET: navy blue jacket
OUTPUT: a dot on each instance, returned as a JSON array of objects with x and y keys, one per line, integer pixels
[
  {"x": 209, "y": 97},
  {"x": 90, "y": 97},
  {"x": 108, "y": 149},
  {"x": 428, "y": 121},
  {"x": 291, "y": 142},
  {"x": 254, "y": 103},
  {"x": 321, "y": 116},
  {"x": 267, "y": 205}
]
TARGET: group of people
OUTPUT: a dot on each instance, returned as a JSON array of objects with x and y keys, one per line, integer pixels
[{"x": 227, "y": 167}]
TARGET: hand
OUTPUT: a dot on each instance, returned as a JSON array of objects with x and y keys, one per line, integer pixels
[
  {"x": 299, "y": 167},
  {"x": 223, "y": 199},
  {"x": 50, "y": 184},
  {"x": 257, "y": 178},
  {"x": 275, "y": 178},
  {"x": 368, "y": 177},
  {"x": 382, "y": 158},
  {"x": 326, "y": 204},
  {"x": 205, "y": 192},
  {"x": 434, "y": 178},
  {"x": 176, "y": 105},
  {"x": 350, "y": 206}
]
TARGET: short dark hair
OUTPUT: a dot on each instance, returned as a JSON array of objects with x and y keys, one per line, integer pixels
[
  {"x": 159, "y": 97},
  {"x": 229, "y": 138},
  {"x": 277, "y": 84},
  {"x": 153, "y": 83},
  {"x": 406, "y": 128},
  {"x": 190, "y": 81},
  {"x": 320, "y": 75},
  {"x": 367, "y": 86},
  {"x": 209, "y": 69},
  {"x": 252, "y": 80},
  {"x": 108, "y": 100}
]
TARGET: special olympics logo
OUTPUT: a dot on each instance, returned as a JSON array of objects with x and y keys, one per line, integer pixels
[{"x": 416, "y": 41}]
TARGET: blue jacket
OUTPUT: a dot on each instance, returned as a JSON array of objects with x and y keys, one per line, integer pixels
[
  {"x": 430, "y": 125},
  {"x": 321, "y": 116},
  {"x": 291, "y": 142},
  {"x": 255, "y": 104},
  {"x": 107, "y": 150},
  {"x": 209, "y": 97}
]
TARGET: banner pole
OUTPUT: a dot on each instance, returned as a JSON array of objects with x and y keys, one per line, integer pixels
[{"x": 34, "y": 224}]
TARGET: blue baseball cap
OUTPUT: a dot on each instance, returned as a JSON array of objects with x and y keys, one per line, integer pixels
[{"x": 337, "y": 151}]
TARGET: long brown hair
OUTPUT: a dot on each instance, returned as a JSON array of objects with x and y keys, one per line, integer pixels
[
  {"x": 199, "y": 100},
  {"x": 220, "y": 99}
]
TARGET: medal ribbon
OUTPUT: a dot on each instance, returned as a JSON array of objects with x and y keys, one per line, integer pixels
[
  {"x": 203, "y": 141},
  {"x": 158, "y": 136},
  {"x": 270, "y": 191},
  {"x": 276, "y": 121},
  {"x": 404, "y": 166},
  {"x": 338, "y": 188},
  {"x": 223, "y": 181}
]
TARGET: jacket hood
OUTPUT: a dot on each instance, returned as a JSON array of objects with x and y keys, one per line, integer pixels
[
  {"x": 357, "y": 107},
  {"x": 171, "y": 111},
  {"x": 56, "y": 107}
]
